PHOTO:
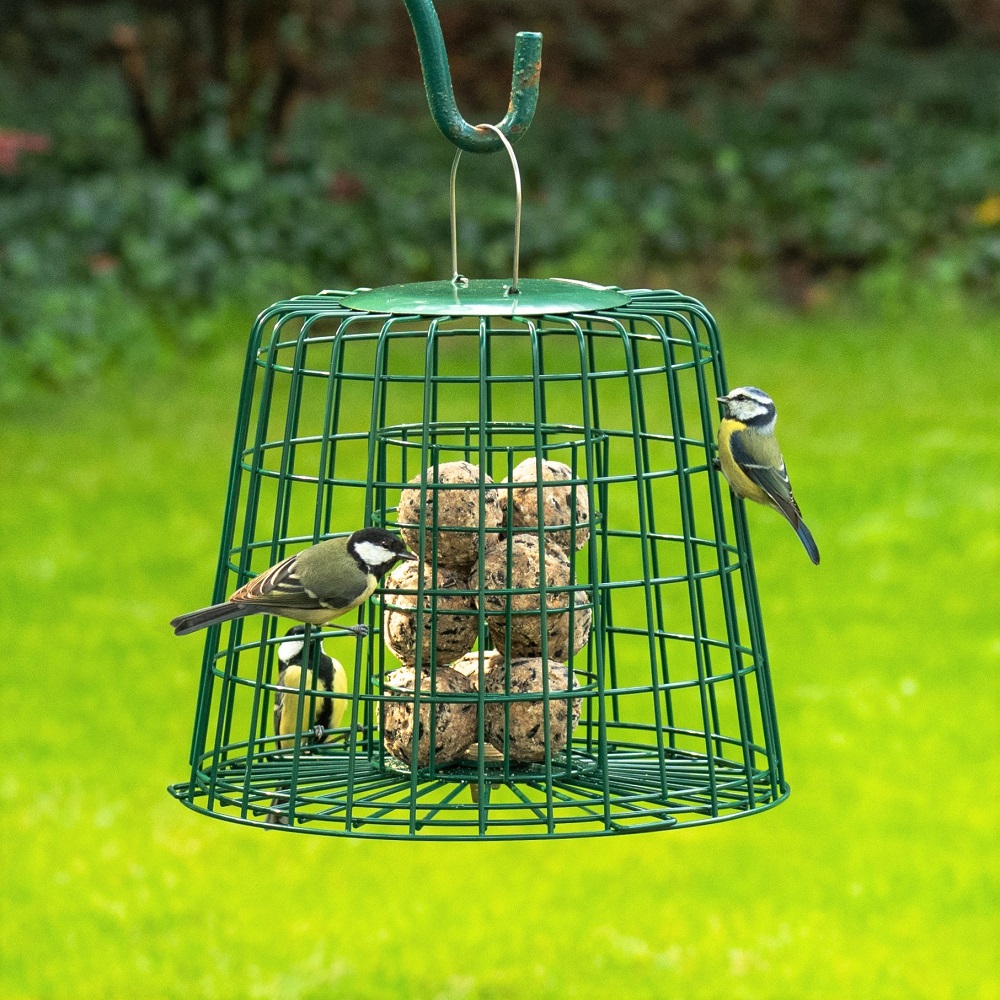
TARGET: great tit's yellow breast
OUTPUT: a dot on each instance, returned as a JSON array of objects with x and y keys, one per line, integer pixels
[
  {"x": 339, "y": 687},
  {"x": 332, "y": 575},
  {"x": 741, "y": 483},
  {"x": 370, "y": 584},
  {"x": 290, "y": 677},
  {"x": 323, "y": 615}
]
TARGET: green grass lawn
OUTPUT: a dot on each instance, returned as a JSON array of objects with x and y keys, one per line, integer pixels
[{"x": 878, "y": 878}]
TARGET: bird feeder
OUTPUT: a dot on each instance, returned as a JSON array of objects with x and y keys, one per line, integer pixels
[{"x": 584, "y": 620}]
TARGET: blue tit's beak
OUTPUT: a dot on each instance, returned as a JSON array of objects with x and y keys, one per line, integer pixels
[{"x": 722, "y": 399}]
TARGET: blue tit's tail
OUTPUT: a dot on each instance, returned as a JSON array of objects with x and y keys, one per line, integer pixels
[
  {"x": 805, "y": 536},
  {"x": 204, "y": 617}
]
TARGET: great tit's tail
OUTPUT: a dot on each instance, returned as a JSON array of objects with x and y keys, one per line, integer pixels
[
  {"x": 194, "y": 620},
  {"x": 805, "y": 536}
]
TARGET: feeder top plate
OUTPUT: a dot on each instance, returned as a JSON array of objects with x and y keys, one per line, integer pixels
[{"x": 479, "y": 297}]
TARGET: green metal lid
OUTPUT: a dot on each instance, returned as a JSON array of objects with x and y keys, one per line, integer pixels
[{"x": 487, "y": 297}]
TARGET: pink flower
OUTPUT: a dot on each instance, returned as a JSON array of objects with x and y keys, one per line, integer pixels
[{"x": 14, "y": 142}]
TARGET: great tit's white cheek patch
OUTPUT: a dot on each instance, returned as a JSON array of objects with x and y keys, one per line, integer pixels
[
  {"x": 373, "y": 554},
  {"x": 287, "y": 651}
]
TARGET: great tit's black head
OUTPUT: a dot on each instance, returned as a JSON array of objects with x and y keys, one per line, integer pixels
[
  {"x": 377, "y": 550},
  {"x": 750, "y": 406}
]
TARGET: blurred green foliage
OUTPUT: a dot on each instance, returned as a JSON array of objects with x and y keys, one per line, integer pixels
[{"x": 888, "y": 167}]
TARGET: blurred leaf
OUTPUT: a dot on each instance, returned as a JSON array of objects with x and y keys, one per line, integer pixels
[{"x": 887, "y": 165}]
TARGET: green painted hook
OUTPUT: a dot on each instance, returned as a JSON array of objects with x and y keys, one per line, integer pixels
[{"x": 441, "y": 96}]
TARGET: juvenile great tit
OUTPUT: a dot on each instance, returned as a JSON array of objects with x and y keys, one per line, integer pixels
[
  {"x": 751, "y": 460},
  {"x": 331, "y": 677},
  {"x": 329, "y": 712},
  {"x": 315, "y": 585}
]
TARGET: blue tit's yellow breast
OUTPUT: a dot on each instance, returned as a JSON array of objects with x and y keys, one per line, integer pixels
[{"x": 742, "y": 485}]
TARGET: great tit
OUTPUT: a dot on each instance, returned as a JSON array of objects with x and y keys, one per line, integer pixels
[
  {"x": 751, "y": 460},
  {"x": 329, "y": 712},
  {"x": 315, "y": 585},
  {"x": 331, "y": 677}
]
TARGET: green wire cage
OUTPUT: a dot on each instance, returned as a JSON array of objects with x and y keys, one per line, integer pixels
[{"x": 584, "y": 618}]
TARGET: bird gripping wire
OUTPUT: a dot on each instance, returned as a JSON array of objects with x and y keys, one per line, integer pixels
[{"x": 441, "y": 96}]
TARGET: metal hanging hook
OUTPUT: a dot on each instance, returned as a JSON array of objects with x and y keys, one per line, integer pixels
[
  {"x": 458, "y": 280},
  {"x": 441, "y": 96}
]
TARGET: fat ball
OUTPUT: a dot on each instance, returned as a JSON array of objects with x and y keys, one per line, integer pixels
[
  {"x": 557, "y": 502},
  {"x": 526, "y": 736},
  {"x": 526, "y": 574},
  {"x": 450, "y": 509},
  {"x": 453, "y": 634},
  {"x": 454, "y": 725}
]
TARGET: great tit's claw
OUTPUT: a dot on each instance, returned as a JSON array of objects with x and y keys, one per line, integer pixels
[{"x": 361, "y": 631}]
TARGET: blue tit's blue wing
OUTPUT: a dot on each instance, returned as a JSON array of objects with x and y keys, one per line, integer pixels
[{"x": 761, "y": 461}]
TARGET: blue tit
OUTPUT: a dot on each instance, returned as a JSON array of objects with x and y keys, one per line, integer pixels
[
  {"x": 751, "y": 460},
  {"x": 315, "y": 585},
  {"x": 331, "y": 678}
]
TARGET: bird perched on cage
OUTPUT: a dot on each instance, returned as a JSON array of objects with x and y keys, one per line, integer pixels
[
  {"x": 329, "y": 713},
  {"x": 751, "y": 460},
  {"x": 314, "y": 586},
  {"x": 331, "y": 677}
]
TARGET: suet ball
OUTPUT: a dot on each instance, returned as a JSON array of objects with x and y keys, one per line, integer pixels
[
  {"x": 527, "y": 718},
  {"x": 453, "y": 509},
  {"x": 454, "y": 634},
  {"x": 557, "y": 502},
  {"x": 526, "y": 574},
  {"x": 455, "y": 722}
]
